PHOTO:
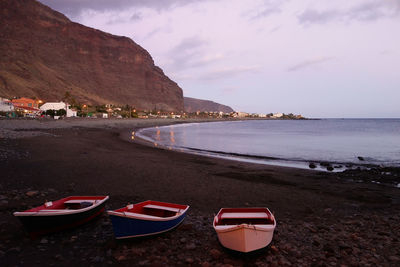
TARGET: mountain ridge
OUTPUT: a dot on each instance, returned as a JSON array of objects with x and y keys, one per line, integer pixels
[{"x": 194, "y": 105}]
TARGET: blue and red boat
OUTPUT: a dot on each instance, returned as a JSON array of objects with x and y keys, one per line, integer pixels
[
  {"x": 62, "y": 214},
  {"x": 146, "y": 218}
]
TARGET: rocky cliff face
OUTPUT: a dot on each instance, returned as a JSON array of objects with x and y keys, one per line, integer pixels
[
  {"x": 43, "y": 54},
  {"x": 194, "y": 105}
]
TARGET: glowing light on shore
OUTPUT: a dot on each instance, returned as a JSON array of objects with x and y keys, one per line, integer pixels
[
  {"x": 158, "y": 135},
  {"x": 172, "y": 137}
]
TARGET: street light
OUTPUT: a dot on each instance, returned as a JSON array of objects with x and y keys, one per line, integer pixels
[{"x": 85, "y": 106}]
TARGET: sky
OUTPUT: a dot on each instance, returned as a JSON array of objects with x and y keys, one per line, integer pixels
[{"x": 318, "y": 58}]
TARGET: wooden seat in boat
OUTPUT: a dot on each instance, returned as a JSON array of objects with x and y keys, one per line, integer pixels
[
  {"x": 244, "y": 215},
  {"x": 151, "y": 206}
]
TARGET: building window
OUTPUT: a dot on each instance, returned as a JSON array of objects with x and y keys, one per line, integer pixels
[{"x": 29, "y": 104}]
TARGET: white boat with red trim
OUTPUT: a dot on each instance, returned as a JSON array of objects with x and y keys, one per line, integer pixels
[
  {"x": 61, "y": 214},
  {"x": 146, "y": 218},
  {"x": 244, "y": 229}
]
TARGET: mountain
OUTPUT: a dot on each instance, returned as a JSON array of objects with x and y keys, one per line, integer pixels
[
  {"x": 43, "y": 54},
  {"x": 194, "y": 104}
]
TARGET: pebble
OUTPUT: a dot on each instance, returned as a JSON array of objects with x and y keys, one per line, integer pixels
[
  {"x": 106, "y": 223},
  {"x": 138, "y": 251},
  {"x": 186, "y": 227},
  {"x": 343, "y": 245},
  {"x": 14, "y": 249},
  {"x": 144, "y": 262},
  {"x": 121, "y": 258},
  {"x": 52, "y": 190},
  {"x": 215, "y": 253},
  {"x": 274, "y": 249},
  {"x": 189, "y": 260},
  {"x": 97, "y": 259},
  {"x": 32, "y": 193},
  {"x": 191, "y": 246}
]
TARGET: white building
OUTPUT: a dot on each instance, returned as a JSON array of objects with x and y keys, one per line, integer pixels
[
  {"x": 277, "y": 115},
  {"x": 242, "y": 114},
  {"x": 6, "y": 105},
  {"x": 58, "y": 106}
]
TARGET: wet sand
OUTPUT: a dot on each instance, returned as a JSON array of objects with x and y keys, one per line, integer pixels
[{"x": 322, "y": 218}]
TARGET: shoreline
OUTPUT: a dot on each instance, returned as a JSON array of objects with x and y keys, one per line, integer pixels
[
  {"x": 27, "y": 128},
  {"x": 312, "y": 165},
  {"x": 323, "y": 218}
]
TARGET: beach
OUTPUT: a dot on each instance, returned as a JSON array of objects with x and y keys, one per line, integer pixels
[{"x": 323, "y": 218}]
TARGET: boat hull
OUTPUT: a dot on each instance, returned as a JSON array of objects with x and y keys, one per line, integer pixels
[
  {"x": 125, "y": 227},
  {"x": 38, "y": 225},
  {"x": 245, "y": 239}
]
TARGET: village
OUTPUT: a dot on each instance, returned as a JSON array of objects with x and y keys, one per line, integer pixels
[{"x": 35, "y": 108}]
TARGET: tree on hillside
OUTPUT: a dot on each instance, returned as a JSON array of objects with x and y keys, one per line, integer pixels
[
  {"x": 69, "y": 99},
  {"x": 67, "y": 96}
]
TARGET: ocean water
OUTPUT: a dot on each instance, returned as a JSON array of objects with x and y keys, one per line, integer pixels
[{"x": 293, "y": 143}]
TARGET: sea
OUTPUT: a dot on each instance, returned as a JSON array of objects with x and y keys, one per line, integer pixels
[{"x": 319, "y": 143}]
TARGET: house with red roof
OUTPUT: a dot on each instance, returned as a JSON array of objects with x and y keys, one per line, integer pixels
[
  {"x": 27, "y": 106},
  {"x": 25, "y": 102}
]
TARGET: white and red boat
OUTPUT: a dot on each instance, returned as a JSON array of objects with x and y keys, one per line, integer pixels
[
  {"x": 58, "y": 215},
  {"x": 244, "y": 229}
]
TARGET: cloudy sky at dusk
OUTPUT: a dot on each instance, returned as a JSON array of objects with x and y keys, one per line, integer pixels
[{"x": 317, "y": 58}]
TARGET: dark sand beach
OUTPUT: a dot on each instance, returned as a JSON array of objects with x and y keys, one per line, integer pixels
[{"x": 323, "y": 219}]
